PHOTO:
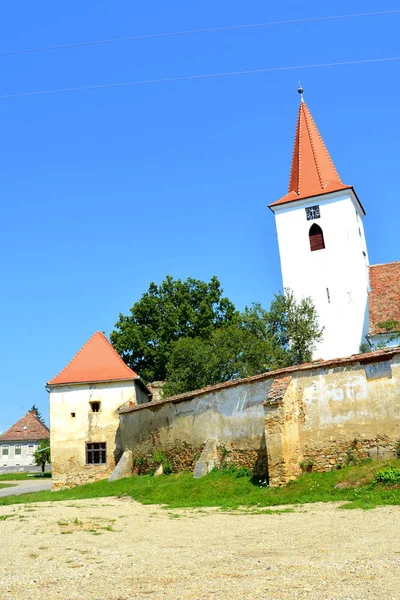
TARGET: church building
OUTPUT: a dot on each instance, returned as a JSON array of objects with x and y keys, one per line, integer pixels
[{"x": 324, "y": 255}]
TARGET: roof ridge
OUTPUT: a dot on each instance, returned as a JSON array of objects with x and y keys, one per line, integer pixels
[
  {"x": 296, "y": 149},
  {"x": 109, "y": 344},
  {"x": 393, "y": 262},
  {"x": 325, "y": 148},
  {"x": 76, "y": 354},
  {"x": 97, "y": 360},
  {"x": 306, "y": 115}
]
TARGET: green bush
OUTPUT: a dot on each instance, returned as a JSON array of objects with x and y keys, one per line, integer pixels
[
  {"x": 389, "y": 476},
  {"x": 160, "y": 458}
]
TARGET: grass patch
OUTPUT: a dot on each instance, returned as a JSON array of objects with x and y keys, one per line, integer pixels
[
  {"x": 357, "y": 486},
  {"x": 20, "y": 476},
  {"x": 6, "y": 485}
]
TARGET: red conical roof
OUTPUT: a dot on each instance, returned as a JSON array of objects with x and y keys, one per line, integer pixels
[
  {"x": 313, "y": 172},
  {"x": 96, "y": 361}
]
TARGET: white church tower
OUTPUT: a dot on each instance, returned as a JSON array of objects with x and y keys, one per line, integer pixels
[{"x": 322, "y": 246}]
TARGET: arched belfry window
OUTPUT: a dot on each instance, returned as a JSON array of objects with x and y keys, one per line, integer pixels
[{"x": 316, "y": 238}]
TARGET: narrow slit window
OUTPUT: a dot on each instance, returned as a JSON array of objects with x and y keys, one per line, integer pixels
[
  {"x": 96, "y": 453},
  {"x": 316, "y": 238}
]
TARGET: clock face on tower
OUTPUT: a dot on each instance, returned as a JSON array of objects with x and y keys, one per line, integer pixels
[{"x": 312, "y": 213}]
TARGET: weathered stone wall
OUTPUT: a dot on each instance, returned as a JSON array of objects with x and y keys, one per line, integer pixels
[
  {"x": 334, "y": 415},
  {"x": 317, "y": 416},
  {"x": 233, "y": 416}
]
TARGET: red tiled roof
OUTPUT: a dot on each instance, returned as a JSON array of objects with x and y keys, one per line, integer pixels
[
  {"x": 313, "y": 172},
  {"x": 97, "y": 360},
  {"x": 384, "y": 297},
  {"x": 29, "y": 428}
]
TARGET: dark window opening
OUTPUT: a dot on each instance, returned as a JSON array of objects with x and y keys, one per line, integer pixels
[
  {"x": 96, "y": 453},
  {"x": 72, "y": 414},
  {"x": 329, "y": 297},
  {"x": 95, "y": 406},
  {"x": 316, "y": 238}
]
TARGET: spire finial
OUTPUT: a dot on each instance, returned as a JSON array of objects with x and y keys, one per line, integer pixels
[{"x": 300, "y": 90}]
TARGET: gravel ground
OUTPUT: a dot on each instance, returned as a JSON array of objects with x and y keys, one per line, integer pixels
[{"x": 117, "y": 549}]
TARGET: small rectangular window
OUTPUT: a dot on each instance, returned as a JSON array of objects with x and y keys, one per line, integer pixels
[
  {"x": 17, "y": 450},
  {"x": 95, "y": 406},
  {"x": 96, "y": 453},
  {"x": 4, "y": 450},
  {"x": 30, "y": 448},
  {"x": 72, "y": 414}
]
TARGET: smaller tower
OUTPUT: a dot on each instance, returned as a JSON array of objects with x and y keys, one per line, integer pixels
[{"x": 321, "y": 241}]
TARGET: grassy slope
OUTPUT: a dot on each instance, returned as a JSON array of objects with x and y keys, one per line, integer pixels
[
  {"x": 5, "y": 485},
  {"x": 228, "y": 491}
]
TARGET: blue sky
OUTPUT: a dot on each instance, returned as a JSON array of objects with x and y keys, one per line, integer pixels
[{"x": 103, "y": 191}]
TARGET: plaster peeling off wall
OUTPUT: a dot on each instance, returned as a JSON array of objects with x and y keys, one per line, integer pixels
[
  {"x": 332, "y": 416},
  {"x": 234, "y": 417},
  {"x": 317, "y": 417},
  {"x": 73, "y": 424}
]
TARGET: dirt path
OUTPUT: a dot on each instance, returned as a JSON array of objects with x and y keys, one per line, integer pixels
[
  {"x": 113, "y": 549},
  {"x": 25, "y": 486}
]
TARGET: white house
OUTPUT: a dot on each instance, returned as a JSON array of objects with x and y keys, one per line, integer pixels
[
  {"x": 324, "y": 254},
  {"x": 19, "y": 443},
  {"x": 84, "y": 422}
]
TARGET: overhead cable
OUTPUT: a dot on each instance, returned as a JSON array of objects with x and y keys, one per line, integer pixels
[
  {"x": 196, "y": 31},
  {"x": 204, "y": 76}
]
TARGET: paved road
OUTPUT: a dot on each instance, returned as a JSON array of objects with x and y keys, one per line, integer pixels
[{"x": 24, "y": 486}]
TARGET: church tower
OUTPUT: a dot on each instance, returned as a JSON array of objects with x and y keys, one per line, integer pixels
[{"x": 321, "y": 240}]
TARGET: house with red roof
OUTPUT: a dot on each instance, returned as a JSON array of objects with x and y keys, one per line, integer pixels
[
  {"x": 19, "y": 443},
  {"x": 84, "y": 401},
  {"x": 323, "y": 252}
]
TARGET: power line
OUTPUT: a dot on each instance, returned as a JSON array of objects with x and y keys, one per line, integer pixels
[
  {"x": 204, "y": 76},
  {"x": 192, "y": 31}
]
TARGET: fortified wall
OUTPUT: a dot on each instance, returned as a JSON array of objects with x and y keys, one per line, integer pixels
[{"x": 317, "y": 416}]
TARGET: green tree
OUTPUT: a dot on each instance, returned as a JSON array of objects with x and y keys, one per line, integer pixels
[
  {"x": 34, "y": 409},
  {"x": 167, "y": 312},
  {"x": 42, "y": 454},
  {"x": 293, "y": 327},
  {"x": 231, "y": 352},
  {"x": 258, "y": 341}
]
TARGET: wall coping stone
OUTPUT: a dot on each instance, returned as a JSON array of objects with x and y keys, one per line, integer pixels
[{"x": 370, "y": 357}]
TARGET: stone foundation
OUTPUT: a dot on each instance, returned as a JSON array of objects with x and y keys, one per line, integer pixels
[
  {"x": 340, "y": 452},
  {"x": 180, "y": 457}
]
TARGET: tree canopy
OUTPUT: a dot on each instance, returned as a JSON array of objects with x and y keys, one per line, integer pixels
[
  {"x": 166, "y": 313},
  {"x": 187, "y": 334},
  {"x": 258, "y": 341}
]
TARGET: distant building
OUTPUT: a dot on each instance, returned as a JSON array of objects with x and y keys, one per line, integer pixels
[
  {"x": 19, "y": 443},
  {"x": 323, "y": 252},
  {"x": 84, "y": 402}
]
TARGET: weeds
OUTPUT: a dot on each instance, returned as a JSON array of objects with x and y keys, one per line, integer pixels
[
  {"x": 224, "y": 489},
  {"x": 388, "y": 476}
]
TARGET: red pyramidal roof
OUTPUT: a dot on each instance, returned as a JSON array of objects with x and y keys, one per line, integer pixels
[
  {"x": 313, "y": 172},
  {"x": 96, "y": 361}
]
